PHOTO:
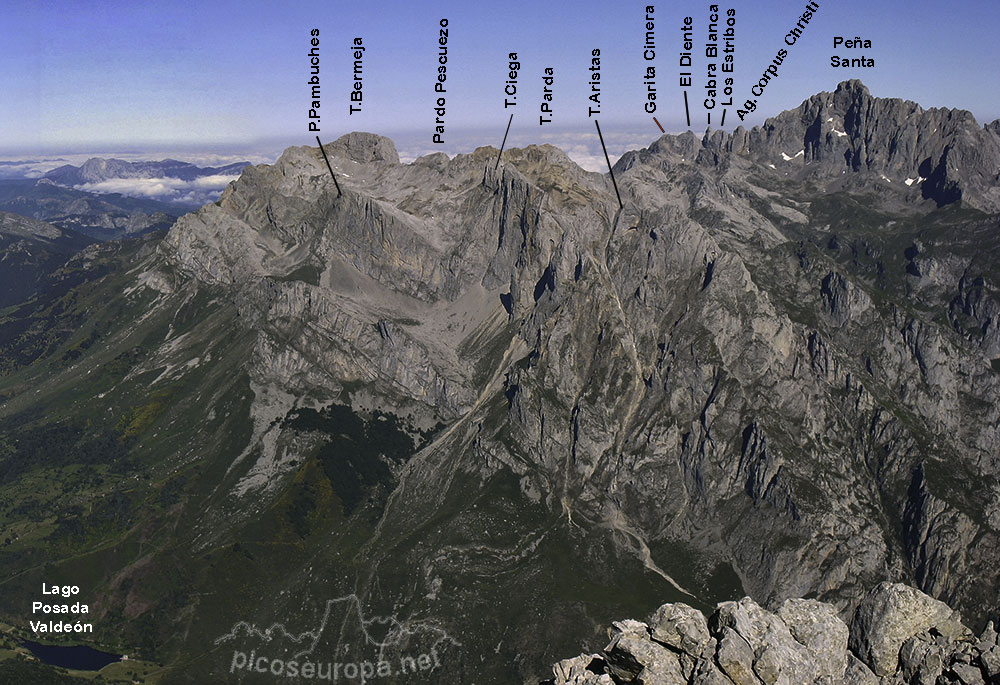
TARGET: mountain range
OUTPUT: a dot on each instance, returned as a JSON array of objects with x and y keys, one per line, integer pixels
[
  {"x": 42, "y": 225},
  {"x": 106, "y": 216},
  {"x": 98, "y": 169},
  {"x": 181, "y": 185},
  {"x": 501, "y": 410}
]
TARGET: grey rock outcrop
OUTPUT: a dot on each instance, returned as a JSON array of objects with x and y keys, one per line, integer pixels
[
  {"x": 898, "y": 635},
  {"x": 15, "y": 225},
  {"x": 890, "y": 615}
]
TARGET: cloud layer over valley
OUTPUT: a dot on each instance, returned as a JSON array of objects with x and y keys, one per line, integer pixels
[{"x": 194, "y": 192}]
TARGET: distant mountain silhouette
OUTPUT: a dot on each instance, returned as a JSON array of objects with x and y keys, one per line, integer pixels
[{"x": 97, "y": 169}]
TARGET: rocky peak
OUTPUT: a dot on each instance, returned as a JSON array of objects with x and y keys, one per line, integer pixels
[
  {"x": 95, "y": 167},
  {"x": 364, "y": 148},
  {"x": 937, "y": 154}
]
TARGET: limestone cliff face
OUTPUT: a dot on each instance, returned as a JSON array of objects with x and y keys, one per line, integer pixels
[
  {"x": 937, "y": 154},
  {"x": 746, "y": 380}
]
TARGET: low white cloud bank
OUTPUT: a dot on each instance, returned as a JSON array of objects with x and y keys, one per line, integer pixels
[
  {"x": 198, "y": 191},
  {"x": 583, "y": 147},
  {"x": 27, "y": 168}
]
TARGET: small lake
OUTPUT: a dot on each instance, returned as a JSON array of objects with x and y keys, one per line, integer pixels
[{"x": 80, "y": 657}]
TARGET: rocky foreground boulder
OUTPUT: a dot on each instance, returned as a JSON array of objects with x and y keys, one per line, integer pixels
[{"x": 898, "y": 635}]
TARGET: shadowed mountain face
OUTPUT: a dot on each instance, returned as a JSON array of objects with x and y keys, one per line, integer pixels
[
  {"x": 29, "y": 251},
  {"x": 101, "y": 217},
  {"x": 500, "y": 411}
]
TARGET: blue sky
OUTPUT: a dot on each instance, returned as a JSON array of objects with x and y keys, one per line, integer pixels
[{"x": 135, "y": 76}]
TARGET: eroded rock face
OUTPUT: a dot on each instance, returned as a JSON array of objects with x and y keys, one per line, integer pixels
[
  {"x": 938, "y": 154},
  {"x": 890, "y": 615},
  {"x": 817, "y": 627},
  {"x": 898, "y": 635},
  {"x": 745, "y": 381}
]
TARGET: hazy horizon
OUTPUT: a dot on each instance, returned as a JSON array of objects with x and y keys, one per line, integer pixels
[
  {"x": 109, "y": 75},
  {"x": 583, "y": 147}
]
